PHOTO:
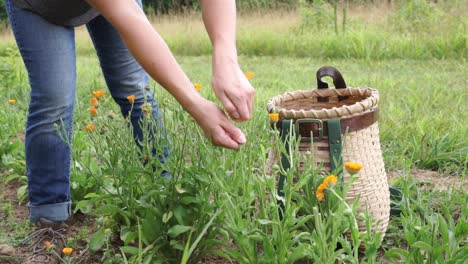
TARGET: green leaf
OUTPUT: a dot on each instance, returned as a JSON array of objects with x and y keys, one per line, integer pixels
[
  {"x": 179, "y": 189},
  {"x": 188, "y": 200},
  {"x": 177, "y": 230},
  {"x": 397, "y": 253},
  {"x": 127, "y": 235},
  {"x": 21, "y": 192},
  {"x": 129, "y": 250},
  {"x": 97, "y": 241},
  {"x": 167, "y": 217},
  {"x": 151, "y": 229},
  {"x": 180, "y": 214},
  {"x": 422, "y": 244},
  {"x": 108, "y": 209},
  {"x": 84, "y": 206},
  {"x": 265, "y": 222}
]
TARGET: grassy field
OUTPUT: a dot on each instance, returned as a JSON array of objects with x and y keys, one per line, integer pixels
[{"x": 218, "y": 208}]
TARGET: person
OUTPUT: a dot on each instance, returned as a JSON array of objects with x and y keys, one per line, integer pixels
[{"x": 128, "y": 48}]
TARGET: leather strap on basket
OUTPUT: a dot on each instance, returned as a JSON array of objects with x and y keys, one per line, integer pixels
[
  {"x": 285, "y": 131},
  {"x": 335, "y": 145},
  {"x": 348, "y": 125}
]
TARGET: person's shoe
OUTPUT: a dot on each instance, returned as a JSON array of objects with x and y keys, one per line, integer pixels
[{"x": 46, "y": 243}]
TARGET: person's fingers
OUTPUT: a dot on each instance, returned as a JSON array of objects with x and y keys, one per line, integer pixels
[
  {"x": 241, "y": 105},
  {"x": 222, "y": 138},
  {"x": 234, "y": 133},
  {"x": 250, "y": 101},
  {"x": 229, "y": 107}
]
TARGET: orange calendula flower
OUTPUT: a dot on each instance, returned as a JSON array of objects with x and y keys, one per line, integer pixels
[
  {"x": 197, "y": 86},
  {"x": 353, "y": 167},
  {"x": 47, "y": 244},
  {"x": 67, "y": 251},
  {"x": 249, "y": 75},
  {"x": 131, "y": 98},
  {"x": 93, "y": 110},
  {"x": 274, "y": 117},
  {"x": 98, "y": 94},
  {"x": 94, "y": 101},
  {"x": 90, "y": 127},
  {"x": 320, "y": 194},
  {"x": 330, "y": 179},
  {"x": 12, "y": 101}
]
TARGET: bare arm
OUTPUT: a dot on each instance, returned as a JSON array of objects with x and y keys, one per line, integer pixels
[
  {"x": 153, "y": 54},
  {"x": 229, "y": 83}
]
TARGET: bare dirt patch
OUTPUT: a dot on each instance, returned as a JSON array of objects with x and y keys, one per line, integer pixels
[{"x": 16, "y": 218}]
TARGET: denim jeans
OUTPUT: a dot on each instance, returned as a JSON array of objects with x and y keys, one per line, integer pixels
[{"x": 48, "y": 52}]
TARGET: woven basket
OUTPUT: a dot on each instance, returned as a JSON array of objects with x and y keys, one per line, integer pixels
[{"x": 357, "y": 109}]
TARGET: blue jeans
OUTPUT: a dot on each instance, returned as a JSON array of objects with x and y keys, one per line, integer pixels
[{"x": 48, "y": 52}]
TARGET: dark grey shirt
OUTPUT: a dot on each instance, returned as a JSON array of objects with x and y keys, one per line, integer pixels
[{"x": 61, "y": 12}]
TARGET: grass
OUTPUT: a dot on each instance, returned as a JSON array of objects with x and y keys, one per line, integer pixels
[{"x": 221, "y": 205}]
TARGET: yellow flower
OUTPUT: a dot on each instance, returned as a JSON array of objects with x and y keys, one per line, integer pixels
[
  {"x": 197, "y": 86},
  {"x": 93, "y": 110},
  {"x": 94, "y": 101},
  {"x": 12, "y": 101},
  {"x": 320, "y": 194},
  {"x": 330, "y": 179},
  {"x": 353, "y": 167},
  {"x": 249, "y": 75},
  {"x": 98, "y": 94},
  {"x": 274, "y": 117},
  {"x": 67, "y": 251},
  {"x": 47, "y": 244},
  {"x": 131, "y": 99},
  {"x": 90, "y": 127}
]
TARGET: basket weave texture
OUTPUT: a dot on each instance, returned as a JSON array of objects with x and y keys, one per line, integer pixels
[{"x": 361, "y": 146}]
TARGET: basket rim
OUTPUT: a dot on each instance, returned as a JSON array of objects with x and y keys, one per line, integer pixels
[{"x": 370, "y": 101}]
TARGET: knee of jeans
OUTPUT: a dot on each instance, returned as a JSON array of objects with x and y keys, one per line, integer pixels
[
  {"x": 48, "y": 113},
  {"x": 132, "y": 84}
]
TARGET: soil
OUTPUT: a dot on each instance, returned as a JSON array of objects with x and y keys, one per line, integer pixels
[{"x": 426, "y": 179}]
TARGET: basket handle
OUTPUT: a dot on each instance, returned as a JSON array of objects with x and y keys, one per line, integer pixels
[{"x": 338, "y": 81}]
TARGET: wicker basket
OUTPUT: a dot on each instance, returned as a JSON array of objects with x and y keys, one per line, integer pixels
[{"x": 314, "y": 113}]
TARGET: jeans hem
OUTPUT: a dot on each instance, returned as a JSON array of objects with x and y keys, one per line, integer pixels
[{"x": 52, "y": 212}]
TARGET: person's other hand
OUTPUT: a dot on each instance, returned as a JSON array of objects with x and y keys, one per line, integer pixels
[
  {"x": 232, "y": 88},
  {"x": 216, "y": 126}
]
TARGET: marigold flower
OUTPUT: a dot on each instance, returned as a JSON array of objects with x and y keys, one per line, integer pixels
[
  {"x": 94, "y": 101},
  {"x": 67, "y": 251},
  {"x": 12, "y": 101},
  {"x": 249, "y": 75},
  {"x": 197, "y": 86},
  {"x": 131, "y": 99},
  {"x": 274, "y": 117},
  {"x": 330, "y": 179},
  {"x": 320, "y": 194},
  {"x": 93, "y": 110},
  {"x": 47, "y": 244},
  {"x": 98, "y": 94},
  {"x": 90, "y": 127},
  {"x": 353, "y": 167}
]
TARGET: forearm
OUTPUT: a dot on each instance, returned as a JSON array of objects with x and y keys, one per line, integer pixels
[
  {"x": 219, "y": 17},
  {"x": 149, "y": 49}
]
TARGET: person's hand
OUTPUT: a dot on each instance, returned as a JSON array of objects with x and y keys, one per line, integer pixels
[
  {"x": 216, "y": 126},
  {"x": 232, "y": 88}
]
